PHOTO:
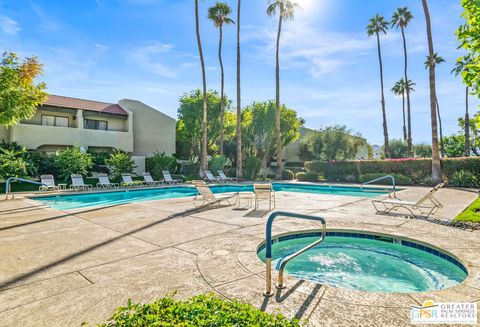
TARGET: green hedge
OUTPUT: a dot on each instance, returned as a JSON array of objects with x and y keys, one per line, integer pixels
[{"x": 418, "y": 170}]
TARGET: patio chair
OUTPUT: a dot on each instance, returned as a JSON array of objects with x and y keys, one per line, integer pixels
[
  {"x": 225, "y": 178},
  {"x": 205, "y": 196},
  {"x": 78, "y": 184},
  {"x": 167, "y": 178},
  {"x": 127, "y": 181},
  {"x": 264, "y": 192},
  {"x": 425, "y": 207},
  {"x": 104, "y": 182},
  {"x": 210, "y": 178},
  {"x": 149, "y": 180},
  {"x": 49, "y": 183}
]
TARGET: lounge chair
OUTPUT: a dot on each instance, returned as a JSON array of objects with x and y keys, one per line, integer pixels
[
  {"x": 206, "y": 197},
  {"x": 78, "y": 184},
  {"x": 127, "y": 181},
  {"x": 210, "y": 178},
  {"x": 264, "y": 192},
  {"x": 48, "y": 182},
  {"x": 225, "y": 178},
  {"x": 167, "y": 178},
  {"x": 425, "y": 207},
  {"x": 104, "y": 182},
  {"x": 149, "y": 180}
]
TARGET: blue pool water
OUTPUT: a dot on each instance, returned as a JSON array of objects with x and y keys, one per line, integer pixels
[
  {"x": 365, "y": 263},
  {"x": 75, "y": 201}
]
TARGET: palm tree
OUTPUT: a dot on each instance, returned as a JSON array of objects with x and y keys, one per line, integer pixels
[
  {"x": 239, "y": 103},
  {"x": 437, "y": 60},
  {"x": 378, "y": 25},
  {"x": 203, "y": 143},
  {"x": 219, "y": 15},
  {"x": 400, "y": 19},
  {"x": 460, "y": 67},
  {"x": 286, "y": 11},
  {"x": 399, "y": 89},
  {"x": 436, "y": 165}
]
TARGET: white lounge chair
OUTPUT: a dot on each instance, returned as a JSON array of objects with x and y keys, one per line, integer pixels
[
  {"x": 205, "y": 196},
  {"x": 127, "y": 181},
  {"x": 48, "y": 182},
  {"x": 104, "y": 182},
  {"x": 425, "y": 207},
  {"x": 168, "y": 178},
  {"x": 264, "y": 192},
  {"x": 210, "y": 178},
  {"x": 225, "y": 178},
  {"x": 149, "y": 180},
  {"x": 78, "y": 184}
]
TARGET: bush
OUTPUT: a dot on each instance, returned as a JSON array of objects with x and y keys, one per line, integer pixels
[
  {"x": 216, "y": 163},
  {"x": 160, "y": 161},
  {"x": 42, "y": 162},
  {"x": 307, "y": 177},
  {"x": 399, "y": 179},
  {"x": 12, "y": 163},
  {"x": 251, "y": 167},
  {"x": 120, "y": 162},
  {"x": 100, "y": 158},
  {"x": 201, "y": 310},
  {"x": 464, "y": 178},
  {"x": 72, "y": 161},
  {"x": 288, "y": 175}
]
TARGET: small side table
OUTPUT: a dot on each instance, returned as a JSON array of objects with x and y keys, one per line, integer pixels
[
  {"x": 62, "y": 186},
  {"x": 245, "y": 196}
]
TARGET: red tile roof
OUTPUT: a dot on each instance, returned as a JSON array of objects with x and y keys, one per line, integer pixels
[{"x": 74, "y": 103}]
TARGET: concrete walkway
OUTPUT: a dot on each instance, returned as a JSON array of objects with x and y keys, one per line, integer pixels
[{"x": 63, "y": 268}]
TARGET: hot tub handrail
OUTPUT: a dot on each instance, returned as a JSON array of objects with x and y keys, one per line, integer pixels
[
  {"x": 391, "y": 177},
  {"x": 268, "y": 246},
  {"x": 10, "y": 179}
]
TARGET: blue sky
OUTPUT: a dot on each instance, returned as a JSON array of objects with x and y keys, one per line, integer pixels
[{"x": 146, "y": 50}]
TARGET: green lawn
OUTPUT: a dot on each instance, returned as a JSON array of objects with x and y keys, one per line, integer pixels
[{"x": 471, "y": 214}]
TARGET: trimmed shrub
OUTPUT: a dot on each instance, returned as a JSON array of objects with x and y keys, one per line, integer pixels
[
  {"x": 120, "y": 162},
  {"x": 251, "y": 167},
  {"x": 201, "y": 310},
  {"x": 288, "y": 175},
  {"x": 307, "y": 177},
  {"x": 399, "y": 179},
  {"x": 217, "y": 163},
  {"x": 160, "y": 161},
  {"x": 464, "y": 178},
  {"x": 72, "y": 161}
]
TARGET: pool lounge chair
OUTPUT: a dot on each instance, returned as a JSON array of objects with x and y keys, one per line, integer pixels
[
  {"x": 264, "y": 192},
  {"x": 149, "y": 180},
  {"x": 424, "y": 207},
  {"x": 210, "y": 178},
  {"x": 48, "y": 182},
  {"x": 104, "y": 182},
  {"x": 127, "y": 181},
  {"x": 168, "y": 178},
  {"x": 205, "y": 196},
  {"x": 78, "y": 184},
  {"x": 225, "y": 178}
]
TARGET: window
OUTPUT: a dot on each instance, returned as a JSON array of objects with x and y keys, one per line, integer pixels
[
  {"x": 96, "y": 124},
  {"x": 58, "y": 121}
]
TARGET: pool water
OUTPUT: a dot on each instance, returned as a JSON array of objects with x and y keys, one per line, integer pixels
[
  {"x": 369, "y": 264},
  {"x": 76, "y": 201}
]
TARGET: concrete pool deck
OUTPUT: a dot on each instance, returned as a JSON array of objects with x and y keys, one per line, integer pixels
[{"x": 61, "y": 268}]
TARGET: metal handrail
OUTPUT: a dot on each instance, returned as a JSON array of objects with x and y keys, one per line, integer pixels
[
  {"x": 7, "y": 184},
  {"x": 381, "y": 179},
  {"x": 268, "y": 247}
]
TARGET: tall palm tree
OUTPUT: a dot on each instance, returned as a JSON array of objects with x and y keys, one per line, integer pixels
[
  {"x": 437, "y": 60},
  {"x": 219, "y": 15},
  {"x": 203, "y": 143},
  {"x": 436, "y": 165},
  {"x": 239, "y": 102},
  {"x": 400, "y": 19},
  {"x": 286, "y": 11},
  {"x": 460, "y": 67},
  {"x": 378, "y": 25},
  {"x": 399, "y": 89}
]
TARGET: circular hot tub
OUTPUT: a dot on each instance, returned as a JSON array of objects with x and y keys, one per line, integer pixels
[{"x": 367, "y": 262}]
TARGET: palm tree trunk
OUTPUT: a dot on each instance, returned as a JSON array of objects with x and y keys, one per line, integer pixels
[
  {"x": 440, "y": 128},
  {"x": 386, "y": 146},
  {"x": 203, "y": 144},
  {"x": 221, "y": 89},
  {"x": 436, "y": 164},
  {"x": 239, "y": 104},
  {"x": 409, "y": 138},
  {"x": 467, "y": 126},
  {"x": 277, "y": 103},
  {"x": 404, "y": 122}
]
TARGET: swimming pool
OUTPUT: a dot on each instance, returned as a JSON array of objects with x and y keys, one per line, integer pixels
[
  {"x": 76, "y": 201},
  {"x": 367, "y": 262}
]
